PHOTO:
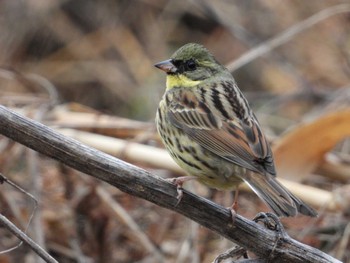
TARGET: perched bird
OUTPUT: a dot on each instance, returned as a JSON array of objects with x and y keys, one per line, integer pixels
[{"x": 209, "y": 129}]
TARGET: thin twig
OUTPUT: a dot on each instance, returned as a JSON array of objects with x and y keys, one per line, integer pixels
[
  {"x": 235, "y": 252},
  {"x": 33, "y": 158},
  {"x": 344, "y": 241},
  {"x": 129, "y": 222},
  {"x": 286, "y": 35},
  {"x": 4, "y": 179},
  {"x": 22, "y": 236}
]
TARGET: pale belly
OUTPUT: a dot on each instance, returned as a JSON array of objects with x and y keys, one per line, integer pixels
[{"x": 209, "y": 168}]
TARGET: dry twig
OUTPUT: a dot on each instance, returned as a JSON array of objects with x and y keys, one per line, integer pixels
[{"x": 286, "y": 35}]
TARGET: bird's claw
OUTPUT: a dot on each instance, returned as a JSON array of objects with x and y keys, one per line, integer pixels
[
  {"x": 272, "y": 222},
  {"x": 180, "y": 194},
  {"x": 233, "y": 214},
  {"x": 179, "y": 181}
]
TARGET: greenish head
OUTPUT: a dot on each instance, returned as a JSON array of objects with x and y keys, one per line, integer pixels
[{"x": 192, "y": 61}]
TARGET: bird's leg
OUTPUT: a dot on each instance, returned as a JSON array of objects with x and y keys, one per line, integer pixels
[
  {"x": 234, "y": 205},
  {"x": 179, "y": 181},
  {"x": 235, "y": 200}
]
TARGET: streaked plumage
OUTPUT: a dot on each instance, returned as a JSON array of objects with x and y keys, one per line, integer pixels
[{"x": 207, "y": 126}]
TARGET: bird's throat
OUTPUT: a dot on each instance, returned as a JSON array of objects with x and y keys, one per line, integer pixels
[{"x": 173, "y": 81}]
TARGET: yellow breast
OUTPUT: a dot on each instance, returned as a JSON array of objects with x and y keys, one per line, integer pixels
[{"x": 180, "y": 81}]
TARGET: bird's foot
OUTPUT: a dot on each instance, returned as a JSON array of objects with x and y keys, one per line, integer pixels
[
  {"x": 233, "y": 210},
  {"x": 179, "y": 181},
  {"x": 234, "y": 206},
  {"x": 272, "y": 222}
]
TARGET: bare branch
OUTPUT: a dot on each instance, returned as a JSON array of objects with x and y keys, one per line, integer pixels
[
  {"x": 138, "y": 182},
  {"x": 286, "y": 35},
  {"x": 22, "y": 236}
]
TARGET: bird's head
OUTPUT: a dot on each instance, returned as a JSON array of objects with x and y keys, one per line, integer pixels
[{"x": 190, "y": 65}]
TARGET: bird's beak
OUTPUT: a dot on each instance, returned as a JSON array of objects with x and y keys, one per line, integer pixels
[{"x": 167, "y": 66}]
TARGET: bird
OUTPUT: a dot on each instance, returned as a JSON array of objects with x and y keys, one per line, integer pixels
[{"x": 209, "y": 129}]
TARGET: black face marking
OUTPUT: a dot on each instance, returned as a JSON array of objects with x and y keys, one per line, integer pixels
[
  {"x": 191, "y": 65},
  {"x": 184, "y": 65}
]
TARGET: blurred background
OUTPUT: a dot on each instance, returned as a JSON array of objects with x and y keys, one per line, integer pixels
[{"x": 68, "y": 63}]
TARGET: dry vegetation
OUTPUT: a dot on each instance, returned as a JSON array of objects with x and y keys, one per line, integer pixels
[{"x": 87, "y": 66}]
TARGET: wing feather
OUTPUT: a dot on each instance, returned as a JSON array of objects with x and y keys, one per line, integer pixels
[{"x": 238, "y": 141}]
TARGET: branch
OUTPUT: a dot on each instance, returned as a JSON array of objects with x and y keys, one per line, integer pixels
[
  {"x": 286, "y": 35},
  {"x": 138, "y": 182},
  {"x": 22, "y": 236}
]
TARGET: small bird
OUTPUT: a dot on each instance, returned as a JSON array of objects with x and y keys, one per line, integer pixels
[{"x": 209, "y": 129}]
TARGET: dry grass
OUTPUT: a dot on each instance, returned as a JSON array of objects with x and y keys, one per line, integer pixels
[{"x": 100, "y": 54}]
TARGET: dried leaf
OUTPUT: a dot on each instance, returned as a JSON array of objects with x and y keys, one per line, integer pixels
[{"x": 300, "y": 151}]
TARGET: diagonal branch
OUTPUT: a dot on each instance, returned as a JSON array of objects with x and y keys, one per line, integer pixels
[
  {"x": 22, "y": 236},
  {"x": 138, "y": 182},
  {"x": 286, "y": 35}
]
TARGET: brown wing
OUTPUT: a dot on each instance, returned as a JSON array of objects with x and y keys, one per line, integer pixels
[{"x": 238, "y": 141}]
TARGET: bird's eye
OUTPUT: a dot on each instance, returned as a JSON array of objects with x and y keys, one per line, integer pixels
[{"x": 191, "y": 64}]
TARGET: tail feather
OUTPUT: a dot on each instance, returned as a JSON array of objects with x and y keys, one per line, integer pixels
[
  {"x": 276, "y": 196},
  {"x": 302, "y": 207}
]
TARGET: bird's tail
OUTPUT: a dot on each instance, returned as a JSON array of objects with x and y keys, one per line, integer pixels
[{"x": 276, "y": 196}]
